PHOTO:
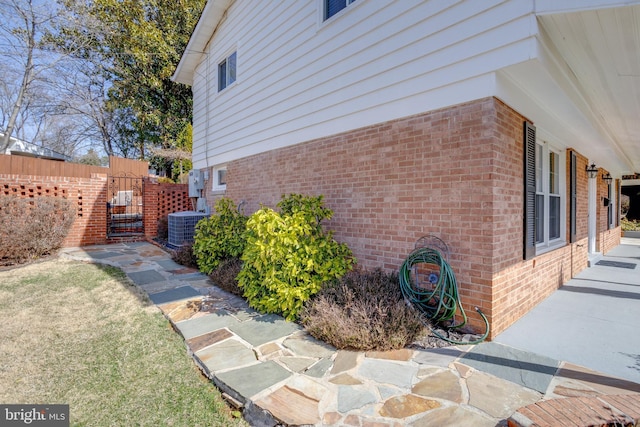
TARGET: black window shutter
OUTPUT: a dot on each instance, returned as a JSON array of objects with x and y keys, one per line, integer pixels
[
  {"x": 529, "y": 190},
  {"x": 573, "y": 198}
]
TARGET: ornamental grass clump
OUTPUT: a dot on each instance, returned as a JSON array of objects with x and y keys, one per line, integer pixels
[
  {"x": 219, "y": 237},
  {"x": 33, "y": 228},
  {"x": 365, "y": 310},
  {"x": 288, "y": 256}
]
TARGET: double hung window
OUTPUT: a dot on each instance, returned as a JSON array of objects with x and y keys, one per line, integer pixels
[
  {"x": 544, "y": 195},
  {"x": 227, "y": 72},
  {"x": 548, "y": 195}
]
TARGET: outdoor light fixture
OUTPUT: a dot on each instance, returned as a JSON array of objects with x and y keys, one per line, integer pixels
[
  {"x": 592, "y": 171},
  {"x": 607, "y": 178}
]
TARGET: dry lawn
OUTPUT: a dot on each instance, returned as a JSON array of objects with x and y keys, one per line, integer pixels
[{"x": 83, "y": 335}]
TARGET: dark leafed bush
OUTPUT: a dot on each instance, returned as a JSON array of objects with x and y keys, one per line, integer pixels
[
  {"x": 363, "y": 311},
  {"x": 163, "y": 228},
  {"x": 32, "y": 228},
  {"x": 184, "y": 256},
  {"x": 225, "y": 276}
]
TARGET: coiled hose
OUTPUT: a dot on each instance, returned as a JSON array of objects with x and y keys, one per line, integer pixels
[{"x": 438, "y": 298}]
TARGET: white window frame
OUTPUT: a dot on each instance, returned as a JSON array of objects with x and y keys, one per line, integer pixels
[
  {"x": 218, "y": 172},
  {"x": 226, "y": 64},
  {"x": 543, "y": 150}
]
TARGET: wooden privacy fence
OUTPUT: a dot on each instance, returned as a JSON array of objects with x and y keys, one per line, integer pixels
[
  {"x": 21, "y": 165},
  {"x": 87, "y": 188}
]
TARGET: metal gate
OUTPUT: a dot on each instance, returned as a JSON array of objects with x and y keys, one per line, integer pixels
[{"x": 125, "y": 206}]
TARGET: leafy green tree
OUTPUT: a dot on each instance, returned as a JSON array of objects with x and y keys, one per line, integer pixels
[{"x": 138, "y": 44}]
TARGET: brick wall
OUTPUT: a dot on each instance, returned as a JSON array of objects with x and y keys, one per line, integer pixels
[
  {"x": 392, "y": 183},
  {"x": 162, "y": 199},
  {"x": 455, "y": 173},
  {"x": 88, "y": 196}
]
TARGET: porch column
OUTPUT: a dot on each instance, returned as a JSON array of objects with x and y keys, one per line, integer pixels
[{"x": 592, "y": 216}]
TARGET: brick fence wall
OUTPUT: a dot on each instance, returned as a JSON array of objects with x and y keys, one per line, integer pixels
[
  {"x": 87, "y": 195},
  {"x": 89, "y": 198},
  {"x": 162, "y": 199}
]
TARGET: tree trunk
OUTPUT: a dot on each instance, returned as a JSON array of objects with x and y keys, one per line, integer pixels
[{"x": 27, "y": 78}]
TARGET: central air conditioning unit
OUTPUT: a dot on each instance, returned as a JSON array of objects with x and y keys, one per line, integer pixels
[
  {"x": 196, "y": 183},
  {"x": 182, "y": 226}
]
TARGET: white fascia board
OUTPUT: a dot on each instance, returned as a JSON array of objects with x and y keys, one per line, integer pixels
[
  {"x": 545, "y": 7},
  {"x": 211, "y": 16}
]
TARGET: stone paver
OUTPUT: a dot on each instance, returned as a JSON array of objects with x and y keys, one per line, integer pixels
[
  {"x": 263, "y": 329},
  {"x": 385, "y": 372},
  {"x": 454, "y": 416},
  {"x": 442, "y": 385},
  {"x": 199, "y": 326},
  {"x": 497, "y": 397},
  {"x": 279, "y": 374},
  {"x": 524, "y": 368},
  {"x": 227, "y": 354},
  {"x": 146, "y": 277},
  {"x": 177, "y": 294},
  {"x": 407, "y": 405},
  {"x": 253, "y": 379}
]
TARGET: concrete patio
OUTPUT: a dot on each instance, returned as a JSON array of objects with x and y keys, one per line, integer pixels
[{"x": 593, "y": 320}]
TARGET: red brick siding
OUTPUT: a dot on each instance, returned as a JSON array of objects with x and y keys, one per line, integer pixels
[{"x": 456, "y": 173}]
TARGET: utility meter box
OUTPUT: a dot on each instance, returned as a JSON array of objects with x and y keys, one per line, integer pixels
[{"x": 196, "y": 183}]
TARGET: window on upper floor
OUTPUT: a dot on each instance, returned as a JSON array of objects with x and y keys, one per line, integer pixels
[
  {"x": 227, "y": 72},
  {"x": 331, "y": 7}
]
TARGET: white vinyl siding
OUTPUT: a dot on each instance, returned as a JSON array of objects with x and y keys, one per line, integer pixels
[{"x": 303, "y": 79}]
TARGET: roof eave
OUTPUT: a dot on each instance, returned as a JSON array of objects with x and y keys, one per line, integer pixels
[{"x": 211, "y": 16}]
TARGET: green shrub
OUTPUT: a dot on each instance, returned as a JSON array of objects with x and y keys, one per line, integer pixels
[
  {"x": 288, "y": 256},
  {"x": 363, "y": 311},
  {"x": 630, "y": 225},
  {"x": 226, "y": 275},
  {"x": 32, "y": 228},
  {"x": 220, "y": 236}
]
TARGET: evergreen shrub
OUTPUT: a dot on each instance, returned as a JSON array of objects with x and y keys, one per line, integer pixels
[
  {"x": 219, "y": 237},
  {"x": 288, "y": 256}
]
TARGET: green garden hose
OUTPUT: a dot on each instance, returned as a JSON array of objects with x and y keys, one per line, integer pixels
[{"x": 437, "y": 297}]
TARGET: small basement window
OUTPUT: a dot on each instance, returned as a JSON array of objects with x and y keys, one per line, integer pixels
[{"x": 220, "y": 178}]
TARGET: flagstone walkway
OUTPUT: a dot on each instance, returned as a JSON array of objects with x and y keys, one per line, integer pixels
[{"x": 277, "y": 374}]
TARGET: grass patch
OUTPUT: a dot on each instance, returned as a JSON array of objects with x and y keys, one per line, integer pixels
[{"x": 83, "y": 335}]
